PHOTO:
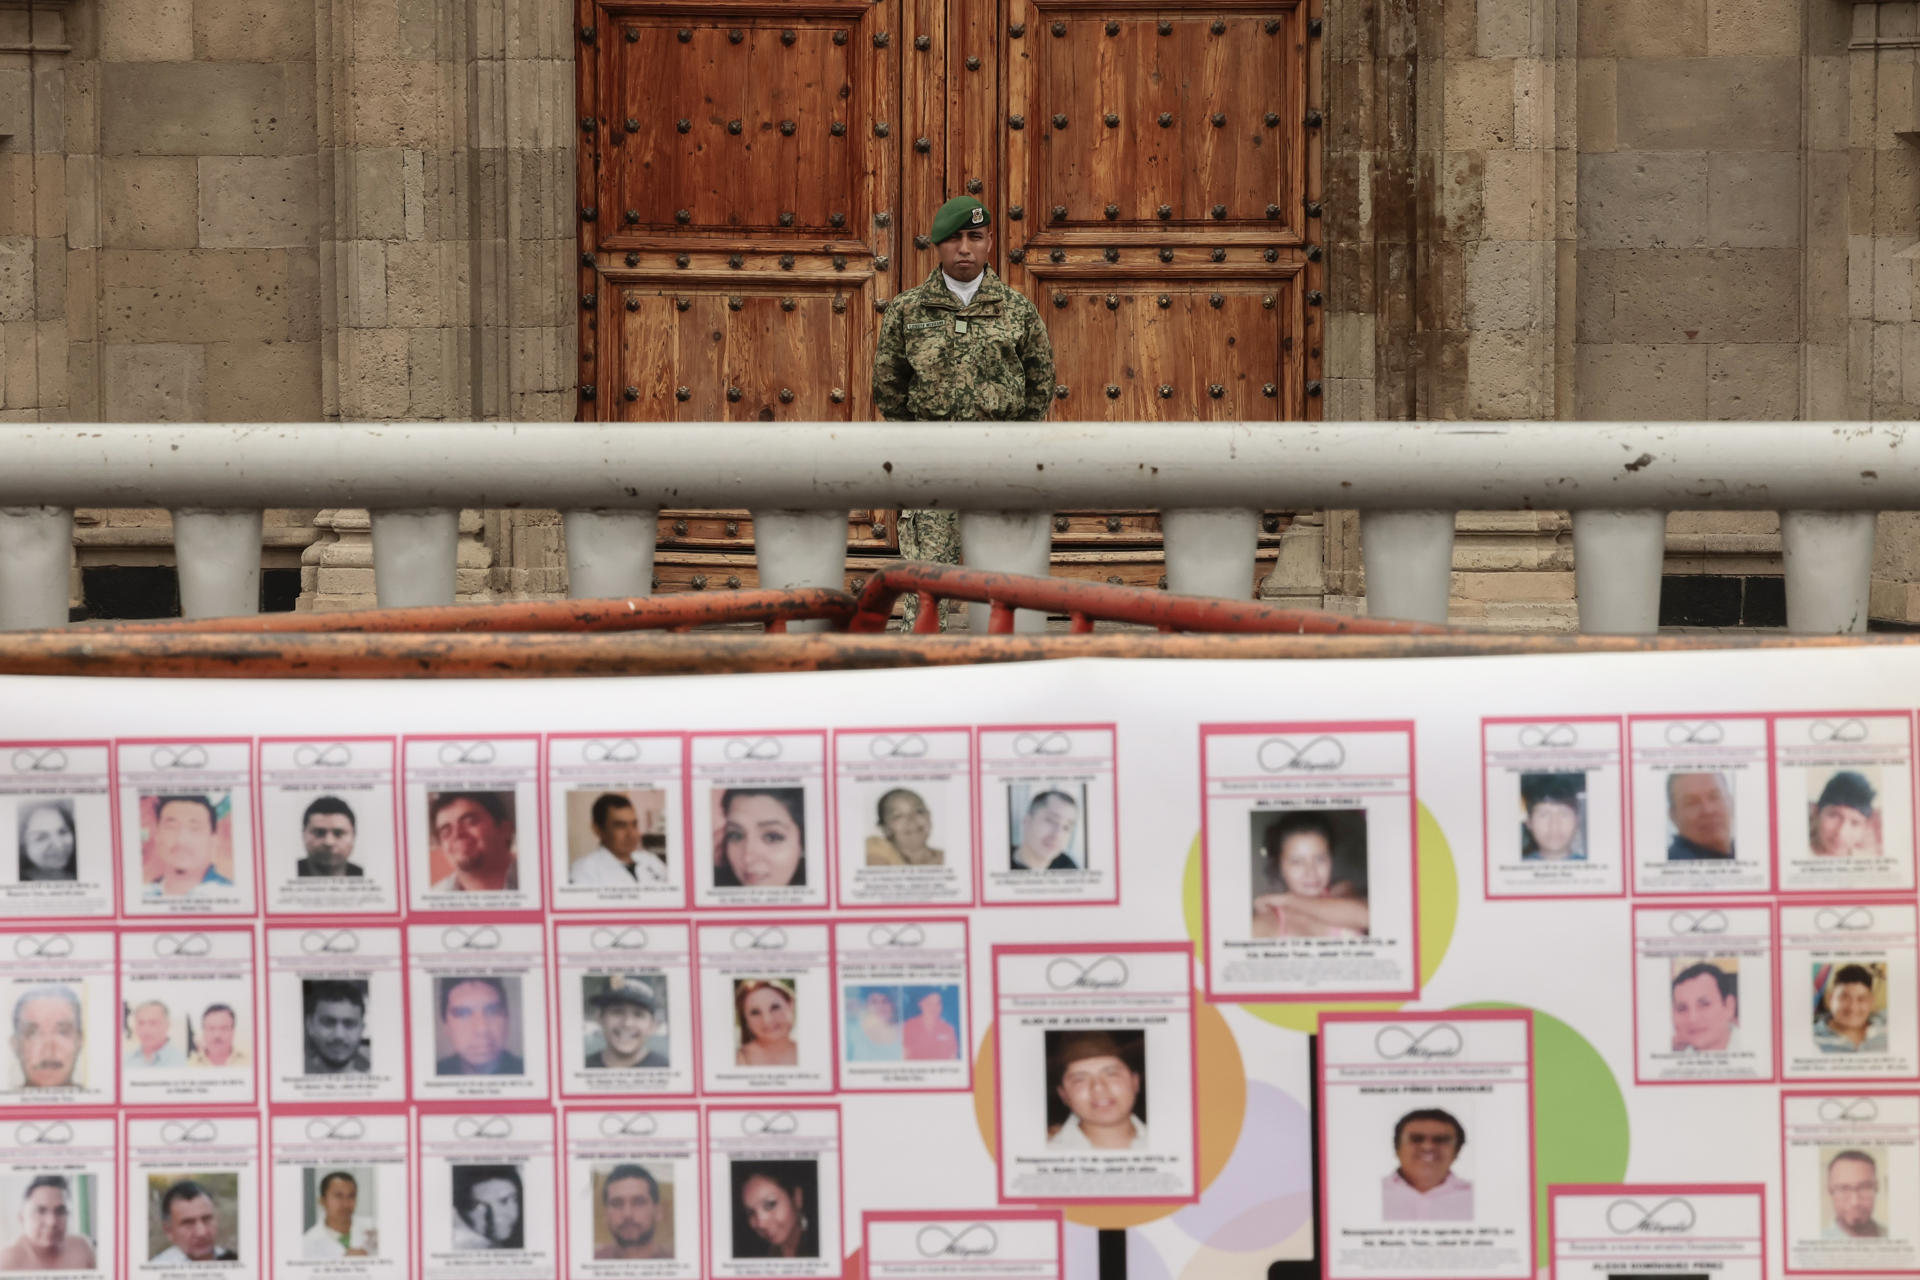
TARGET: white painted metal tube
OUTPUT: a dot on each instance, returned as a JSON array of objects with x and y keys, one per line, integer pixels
[
  {"x": 1617, "y": 558},
  {"x": 218, "y": 556},
  {"x": 415, "y": 556},
  {"x": 36, "y": 556},
  {"x": 610, "y": 553},
  {"x": 1829, "y": 562},
  {"x": 1409, "y": 561},
  {"x": 1211, "y": 552},
  {"x": 801, "y": 549},
  {"x": 1006, "y": 542}
]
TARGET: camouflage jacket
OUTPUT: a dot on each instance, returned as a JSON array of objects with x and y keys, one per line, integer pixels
[{"x": 988, "y": 361}]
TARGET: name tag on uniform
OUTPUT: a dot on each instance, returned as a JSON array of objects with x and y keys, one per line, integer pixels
[
  {"x": 959, "y": 326},
  {"x": 923, "y": 324}
]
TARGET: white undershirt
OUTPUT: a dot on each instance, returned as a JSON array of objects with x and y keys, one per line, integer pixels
[{"x": 965, "y": 291}]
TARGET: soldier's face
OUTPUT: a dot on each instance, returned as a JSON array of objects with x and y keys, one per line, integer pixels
[{"x": 965, "y": 253}]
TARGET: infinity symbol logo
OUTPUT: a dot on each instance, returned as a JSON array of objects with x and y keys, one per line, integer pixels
[
  {"x": 1681, "y": 923},
  {"x": 345, "y": 1129},
  {"x": 639, "y": 1124},
  {"x": 1068, "y": 974},
  {"x": 1559, "y": 735},
  {"x": 1037, "y": 744},
  {"x": 909, "y": 747},
  {"x": 177, "y": 1131},
  {"x": 771, "y": 938},
  {"x": 1704, "y": 734},
  {"x": 54, "y": 1133},
  {"x": 1834, "y": 1109},
  {"x": 469, "y": 1127},
  {"x": 779, "y": 1123},
  {"x": 1277, "y": 755},
  {"x": 44, "y": 760},
  {"x": 1837, "y": 731},
  {"x": 739, "y": 749},
  {"x": 169, "y": 945},
  {"x": 466, "y": 753},
  {"x": 976, "y": 1240},
  {"x": 623, "y": 751},
  {"x": 334, "y": 755},
  {"x": 1840, "y": 919},
  {"x": 1625, "y": 1217},
  {"x": 341, "y": 942},
  {"x": 631, "y": 938},
  {"x": 897, "y": 935},
  {"x": 56, "y": 946},
  {"x": 194, "y": 757},
  {"x": 484, "y": 938},
  {"x": 1441, "y": 1040}
]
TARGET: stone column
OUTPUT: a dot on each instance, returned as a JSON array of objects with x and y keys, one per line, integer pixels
[{"x": 34, "y": 44}]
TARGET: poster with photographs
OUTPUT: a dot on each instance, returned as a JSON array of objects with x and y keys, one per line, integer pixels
[
  {"x": 774, "y": 1193},
  {"x": 478, "y": 996},
  {"x": 616, "y": 805},
  {"x": 60, "y": 994},
  {"x": 327, "y": 826},
  {"x": 193, "y": 1196},
  {"x": 633, "y": 1194},
  {"x": 186, "y": 826},
  {"x": 488, "y": 1202},
  {"x": 189, "y": 1031},
  {"x": 472, "y": 823},
  {"x": 904, "y": 829},
  {"x": 626, "y": 1020},
  {"x": 1658, "y": 1229},
  {"x": 766, "y": 1008},
  {"x": 56, "y": 829},
  {"x": 58, "y": 1182},
  {"x": 341, "y": 1183},
  {"x": 1095, "y": 1069},
  {"x": 1702, "y": 994},
  {"x": 338, "y": 998},
  {"x": 1702, "y": 804},
  {"x": 1850, "y": 1169},
  {"x": 1844, "y": 786},
  {"x": 759, "y": 806},
  {"x": 1006, "y": 1244},
  {"x": 903, "y": 1005},
  {"x": 1049, "y": 815},
  {"x": 1849, "y": 1000},
  {"x": 1554, "y": 796},
  {"x": 1426, "y": 1145},
  {"x": 1307, "y": 854}
]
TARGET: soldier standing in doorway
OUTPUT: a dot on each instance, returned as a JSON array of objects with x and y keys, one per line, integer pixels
[{"x": 959, "y": 347}]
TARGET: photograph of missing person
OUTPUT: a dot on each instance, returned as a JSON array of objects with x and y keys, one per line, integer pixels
[
  {"x": 49, "y": 844},
  {"x": 1424, "y": 1187},
  {"x": 764, "y": 1020},
  {"x": 1850, "y": 1007},
  {"x": 340, "y": 1218},
  {"x": 49, "y": 1036},
  {"x": 334, "y": 1014},
  {"x": 773, "y": 1208},
  {"x": 155, "y": 1035},
  {"x": 902, "y": 1023},
  {"x": 760, "y": 837},
  {"x": 904, "y": 833},
  {"x": 617, "y": 838},
  {"x": 1097, "y": 1090},
  {"x": 1309, "y": 872},
  {"x": 1850, "y": 1208},
  {"x": 52, "y": 1222},
  {"x": 873, "y": 1024},
  {"x": 487, "y": 1205},
  {"x": 1699, "y": 817},
  {"x": 193, "y": 1217},
  {"x": 479, "y": 1031},
  {"x": 1048, "y": 822},
  {"x": 186, "y": 845},
  {"x": 1842, "y": 821},
  {"x": 1706, "y": 1004},
  {"x": 328, "y": 829},
  {"x": 632, "y": 1212},
  {"x": 1553, "y": 817},
  {"x": 472, "y": 842},
  {"x": 626, "y": 1021}
]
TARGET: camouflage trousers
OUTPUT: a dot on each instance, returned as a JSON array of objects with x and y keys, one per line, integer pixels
[{"x": 929, "y": 535}]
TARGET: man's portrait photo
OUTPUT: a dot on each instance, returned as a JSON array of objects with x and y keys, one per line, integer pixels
[
  {"x": 49, "y": 846},
  {"x": 49, "y": 1037},
  {"x": 1424, "y": 1188},
  {"x": 1853, "y": 1193},
  {"x": 327, "y": 832},
  {"x": 1553, "y": 817},
  {"x": 487, "y": 1205},
  {"x": 617, "y": 838},
  {"x": 626, "y": 1021},
  {"x": 194, "y": 1218},
  {"x": 1049, "y": 825},
  {"x": 1706, "y": 1004},
  {"x": 472, "y": 838},
  {"x": 1850, "y": 1007},
  {"x": 478, "y": 1033},
  {"x": 186, "y": 845},
  {"x": 1096, "y": 1090},
  {"x": 335, "y": 1225},
  {"x": 1309, "y": 873},
  {"x": 1699, "y": 817},
  {"x": 632, "y": 1212},
  {"x": 154, "y": 1034},
  {"x": 1842, "y": 821},
  {"x": 931, "y": 1032},
  {"x": 218, "y": 1044},
  {"x": 334, "y": 1026},
  {"x": 54, "y": 1225}
]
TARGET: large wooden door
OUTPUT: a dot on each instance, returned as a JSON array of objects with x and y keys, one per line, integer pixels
[{"x": 756, "y": 177}]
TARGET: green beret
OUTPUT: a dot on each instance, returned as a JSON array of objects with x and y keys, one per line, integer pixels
[{"x": 961, "y": 211}]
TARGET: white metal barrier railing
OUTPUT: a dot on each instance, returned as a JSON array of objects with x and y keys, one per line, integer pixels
[{"x": 1208, "y": 480}]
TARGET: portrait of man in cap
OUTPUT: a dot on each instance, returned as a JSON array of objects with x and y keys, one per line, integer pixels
[
  {"x": 1841, "y": 824},
  {"x": 1097, "y": 1078},
  {"x": 626, "y": 1010}
]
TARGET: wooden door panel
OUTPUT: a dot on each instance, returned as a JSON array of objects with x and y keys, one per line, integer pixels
[{"x": 867, "y": 530}]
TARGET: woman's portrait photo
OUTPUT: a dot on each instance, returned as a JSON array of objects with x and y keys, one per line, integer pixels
[
  {"x": 760, "y": 837},
  {"x": 764, "y": 1018},
  {"x": 873, "y": 1024},
  {"x": 1309, "y": 873},
  {"x": 49, "y": 847},
  {"x": 905, "y": 827},
  {"x": 773, "y": 1209},
  {"x": 1553, "y": 817}
]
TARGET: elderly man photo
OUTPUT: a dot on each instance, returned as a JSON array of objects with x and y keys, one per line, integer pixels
[
  {"x": 618, "y": 859},
  {"x": 338, "y": 1232},
  {"x": 1700, "y": 811},
  {"x": 1097, "y": 1078},
  {"x": 474, "y": 831},
  {"x": 475, "y": 1024},
  {"x": 47, "y": 1241},
  {"x": 1424, "y": 1188},
  {"x": 153, "y": 1046},
  {"x": 327, "y": 831},
  {"x": 190, "y": 1217},
  {"x": 630, "y": 1200},
  {"x": 49, "y": 1035},
  {"x": 182, "y": 842}
]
